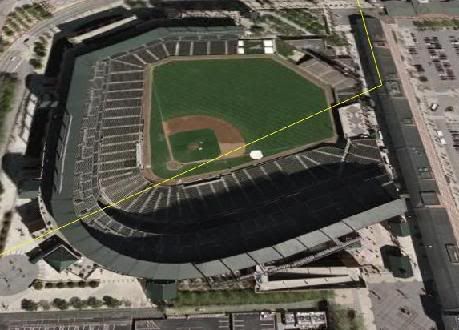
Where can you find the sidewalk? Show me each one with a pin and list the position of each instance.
(118, 286)
(359, 300)
(240, 308)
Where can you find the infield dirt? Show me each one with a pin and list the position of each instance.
(228, 136)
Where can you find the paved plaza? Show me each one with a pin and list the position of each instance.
(402, 305)
(16, 274)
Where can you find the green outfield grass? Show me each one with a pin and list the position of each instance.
(257, 96)
(193, 146)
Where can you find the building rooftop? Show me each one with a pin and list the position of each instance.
(352, 120)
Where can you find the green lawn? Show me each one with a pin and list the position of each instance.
(283, 48)
(195, 145)
(258, 96)
(246, 296)
(305, 19)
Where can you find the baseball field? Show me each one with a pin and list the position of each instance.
(202, 108)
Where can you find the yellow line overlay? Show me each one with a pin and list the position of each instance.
(152, 186)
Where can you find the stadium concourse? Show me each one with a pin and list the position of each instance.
(272, 212)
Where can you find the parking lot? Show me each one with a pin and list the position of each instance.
(435, 56)
(432, 58)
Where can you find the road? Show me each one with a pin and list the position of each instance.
(19, 50)
(101, 315)
(446, 197)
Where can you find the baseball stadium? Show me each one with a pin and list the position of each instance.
(150, 158)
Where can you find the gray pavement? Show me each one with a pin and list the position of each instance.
(252, 321)
(199, 323)
(16, 274)
(72, 325)
(77, 319)
(402, 305)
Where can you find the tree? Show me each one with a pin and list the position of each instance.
(345, 319)
(76, 302)
(62, 304)
(111, 302)
(7, 30)
(8, 215)
(41, 12)
(39, 49)
(93, 284)
(13, 25)
(29, 305)
(38, 285)
(93, 302)
(36, 63)
(284, 48)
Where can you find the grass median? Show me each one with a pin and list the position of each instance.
(7, 93)
(247, 297)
